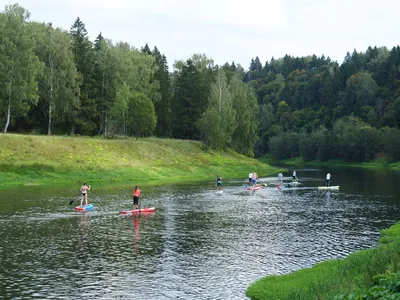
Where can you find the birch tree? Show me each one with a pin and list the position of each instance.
(59, 88)
(19, 65)
(217, 124)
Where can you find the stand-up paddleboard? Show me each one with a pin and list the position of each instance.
(294, 183)
(88, 207)
(256, 188)
(335, 187)
(219, 192)
(136, 211)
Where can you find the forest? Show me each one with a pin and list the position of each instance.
(54, 81)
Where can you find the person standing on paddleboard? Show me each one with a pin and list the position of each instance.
(250, 177)
(219, 183)
(84, 189)
(294, 175)
(280, 178)
(328, 179)
(254, 179)
(136, 196)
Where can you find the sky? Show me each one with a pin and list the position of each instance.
(231, 30)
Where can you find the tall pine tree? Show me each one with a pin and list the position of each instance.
(84, 120)
(163, 107)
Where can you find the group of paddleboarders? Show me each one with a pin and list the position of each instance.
(252, 182)
(295, 179)
(253, 178)
(136, 195)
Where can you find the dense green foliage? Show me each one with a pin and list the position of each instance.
(315, 108)
(386, 286)
(54, 81)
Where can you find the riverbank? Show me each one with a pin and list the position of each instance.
(298, 161)
(340, 277)
(30, 160)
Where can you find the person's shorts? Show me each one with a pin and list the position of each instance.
(135, 200)
(219, 183)
(328, 182)
(83, 194)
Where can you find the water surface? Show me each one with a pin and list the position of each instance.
(197, 245)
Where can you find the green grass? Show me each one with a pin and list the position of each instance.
(49, 159)
(329, 279)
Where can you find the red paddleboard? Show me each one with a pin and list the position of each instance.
(136, 211)
(254, 189)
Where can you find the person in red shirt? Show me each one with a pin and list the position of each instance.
(136, 196)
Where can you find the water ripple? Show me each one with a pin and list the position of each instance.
(197, 245)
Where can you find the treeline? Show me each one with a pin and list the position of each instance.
(315, 108)
(59, 82)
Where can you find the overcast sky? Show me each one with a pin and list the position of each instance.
(231, 30)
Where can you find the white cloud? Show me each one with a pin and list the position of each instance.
(232, 30)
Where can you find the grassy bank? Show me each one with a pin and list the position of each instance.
(298, 161)
(336, 277)
(26, 159)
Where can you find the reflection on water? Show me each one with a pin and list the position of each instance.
(197, 245)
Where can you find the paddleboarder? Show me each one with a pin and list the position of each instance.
(328, 179)
(136, 196)
(219, 183)
(250, 177)
(280, 178)
(84, 189)
(294, 175)
(254, 179)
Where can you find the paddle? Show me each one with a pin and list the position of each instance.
(72, 201)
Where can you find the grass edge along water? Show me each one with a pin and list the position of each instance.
(327, 280)
(30, 159)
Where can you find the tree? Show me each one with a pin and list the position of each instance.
(59, 79)
(246, 108)
(83, 55)
(284, 115)
(266, 120)
(217, 123)
(119, 110)
(163, 107)
(137, 70)
(391, 143)
(190, 98)
(105, 77)
(361, 90)
(19, 65)
(141, 115)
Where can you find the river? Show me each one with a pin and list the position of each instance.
(197, 245)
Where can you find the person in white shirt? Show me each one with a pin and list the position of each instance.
(250, 177)
(294, 176)
(280, 178)
(328, 179)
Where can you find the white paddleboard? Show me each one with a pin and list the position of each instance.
(335, 187)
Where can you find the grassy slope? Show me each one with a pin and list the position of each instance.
(44, 159)
(333, 278)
